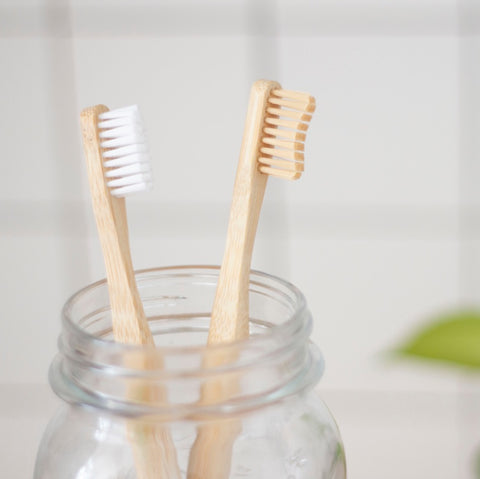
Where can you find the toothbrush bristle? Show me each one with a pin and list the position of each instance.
(125, 153)
(287, 119)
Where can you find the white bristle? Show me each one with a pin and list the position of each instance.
(125, 152)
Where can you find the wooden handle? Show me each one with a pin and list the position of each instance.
(211, 453)
(230, 313)
(128, 318)
(153, 449)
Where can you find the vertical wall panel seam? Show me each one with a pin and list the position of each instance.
(63, 117)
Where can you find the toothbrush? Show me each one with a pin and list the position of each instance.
(118, 165)
(273, 145)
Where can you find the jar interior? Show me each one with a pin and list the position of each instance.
(177, 304)
(276, 360)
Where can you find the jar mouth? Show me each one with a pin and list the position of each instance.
(283, 329)
(276, 361)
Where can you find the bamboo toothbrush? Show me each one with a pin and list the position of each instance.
(118, 165)
(273, 145)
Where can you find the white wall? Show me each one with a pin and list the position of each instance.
(380, 233)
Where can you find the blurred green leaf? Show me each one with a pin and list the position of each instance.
(477, 464)
(453, 338)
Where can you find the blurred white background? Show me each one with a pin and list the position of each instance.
(380, 232)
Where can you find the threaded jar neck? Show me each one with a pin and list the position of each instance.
(277, 360)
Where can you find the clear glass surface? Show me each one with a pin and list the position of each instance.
(283, 430)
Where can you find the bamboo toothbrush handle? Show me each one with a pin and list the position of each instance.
(210, 457)
(152, 446)
(273, 149)
(230, 312)
(129, 323)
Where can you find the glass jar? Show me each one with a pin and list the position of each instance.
(270, 425)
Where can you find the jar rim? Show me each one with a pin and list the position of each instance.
(284, 329)
(276, 363)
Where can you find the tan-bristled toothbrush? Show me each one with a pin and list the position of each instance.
(118, 165)
(273, 145)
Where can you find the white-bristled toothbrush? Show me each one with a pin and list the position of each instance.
(118, 165)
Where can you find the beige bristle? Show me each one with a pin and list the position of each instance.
(293, 104)
(280, 173)
(295, 115)
(287, 134)
(284, 164)
(283, 153)
(296, 145)
(287, 120)
(294, 125)
(295, 95)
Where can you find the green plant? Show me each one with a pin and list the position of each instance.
(451, 338)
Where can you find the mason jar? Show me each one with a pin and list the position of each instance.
(270, 425)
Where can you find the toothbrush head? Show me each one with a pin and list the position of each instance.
(124, 150)
(286, 121)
